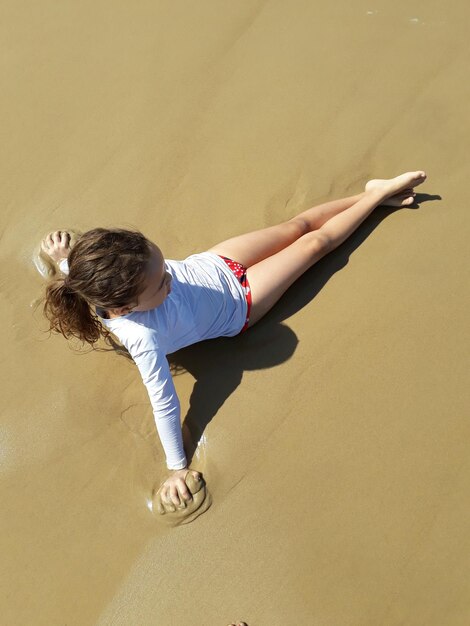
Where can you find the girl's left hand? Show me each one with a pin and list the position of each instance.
(57, 245)
(174, 492)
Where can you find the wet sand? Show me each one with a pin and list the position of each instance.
(336, 445)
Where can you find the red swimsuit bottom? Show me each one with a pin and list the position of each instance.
(239, 272)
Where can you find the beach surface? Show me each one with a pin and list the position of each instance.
(334, 435)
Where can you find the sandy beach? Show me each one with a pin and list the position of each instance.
(333, 435)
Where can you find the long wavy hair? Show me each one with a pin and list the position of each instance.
(107, 269)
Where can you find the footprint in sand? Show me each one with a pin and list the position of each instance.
(199, 504)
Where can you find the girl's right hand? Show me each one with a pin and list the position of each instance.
(174, 492)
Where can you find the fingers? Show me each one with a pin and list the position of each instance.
(166, 499)
(47, 242)
(175, 495)
(56, 245)
(196, 475)
(57, 238)
(183, 492)
(194, 482)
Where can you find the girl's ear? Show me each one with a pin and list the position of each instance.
(124, 310)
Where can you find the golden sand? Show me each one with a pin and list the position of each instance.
(335, 433)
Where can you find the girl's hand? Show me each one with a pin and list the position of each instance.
(174, 492)
(57, 245)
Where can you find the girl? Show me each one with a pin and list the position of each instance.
(117, 281)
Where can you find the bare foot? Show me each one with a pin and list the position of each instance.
(397, 191)
(405, 198)
(56, 245)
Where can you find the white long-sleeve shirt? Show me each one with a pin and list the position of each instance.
(206, 301)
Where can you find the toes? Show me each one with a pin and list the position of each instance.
(409, 180)
(404, 194)
(400, 199)
(420, 177)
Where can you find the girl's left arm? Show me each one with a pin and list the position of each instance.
(155, 371)
(156, 375)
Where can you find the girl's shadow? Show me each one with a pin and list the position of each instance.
(218, 365)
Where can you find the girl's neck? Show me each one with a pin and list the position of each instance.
(104, 314)
(111, 316)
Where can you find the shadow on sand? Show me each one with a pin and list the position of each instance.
(218, 365)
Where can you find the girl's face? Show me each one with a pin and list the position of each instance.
(157, 285)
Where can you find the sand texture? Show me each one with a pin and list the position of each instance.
(333, 436)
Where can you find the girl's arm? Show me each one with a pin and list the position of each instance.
(156, 375)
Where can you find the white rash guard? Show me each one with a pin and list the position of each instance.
(206, 301)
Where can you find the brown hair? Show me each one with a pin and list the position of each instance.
(107, 269)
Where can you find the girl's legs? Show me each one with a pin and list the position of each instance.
(251, 248)
(272, 276)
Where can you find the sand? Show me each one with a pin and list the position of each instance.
(335, 446)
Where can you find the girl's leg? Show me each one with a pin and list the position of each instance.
(271, 277)
(253, 247)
